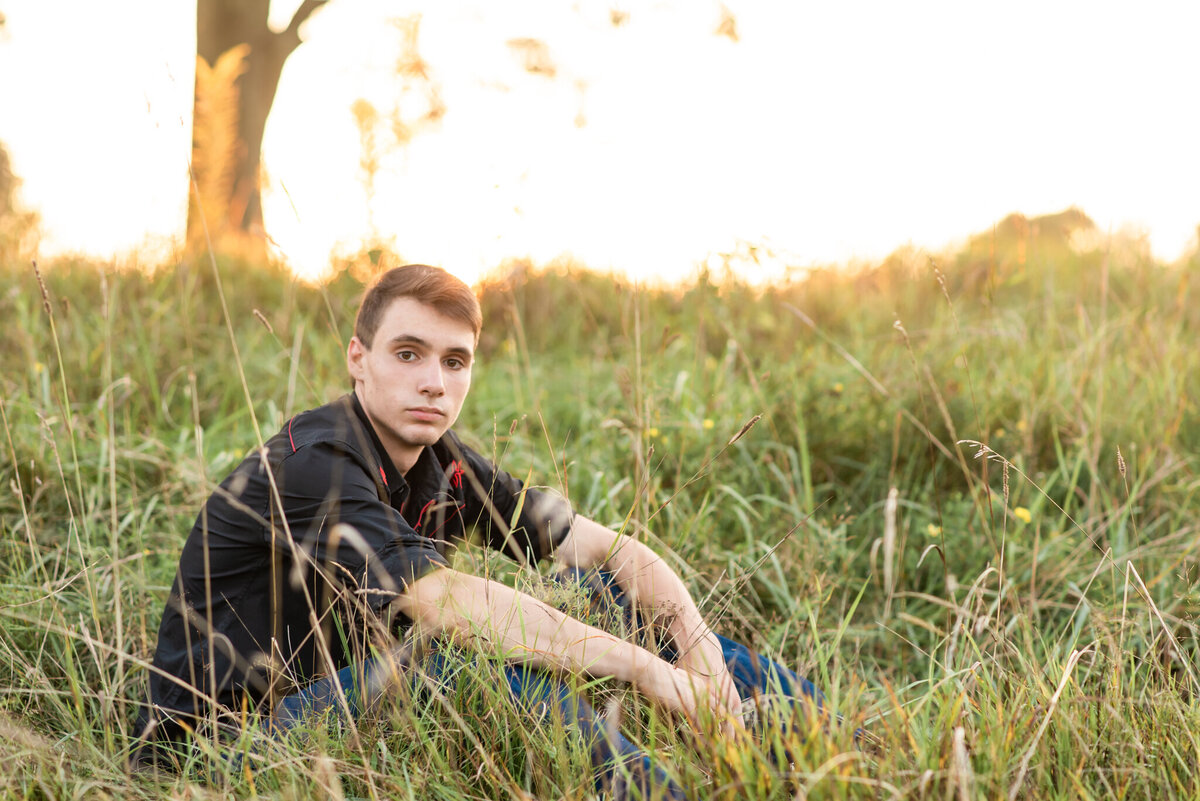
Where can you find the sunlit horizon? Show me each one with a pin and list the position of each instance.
(816, 135)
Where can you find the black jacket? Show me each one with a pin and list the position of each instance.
(272, 592)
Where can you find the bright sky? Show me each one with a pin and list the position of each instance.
(828, 132)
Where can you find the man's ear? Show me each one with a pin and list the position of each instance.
(356, 352)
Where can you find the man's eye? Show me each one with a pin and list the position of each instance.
(455, 364)
(406, 355)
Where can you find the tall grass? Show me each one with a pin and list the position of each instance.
(967, 512)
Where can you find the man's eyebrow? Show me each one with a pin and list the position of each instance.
(413, 339)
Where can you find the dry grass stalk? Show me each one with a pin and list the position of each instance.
(889, 547)
(963, 775)
(1072, 660)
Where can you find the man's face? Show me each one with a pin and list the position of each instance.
(413, 379)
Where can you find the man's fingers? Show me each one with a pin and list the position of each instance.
(719, 695)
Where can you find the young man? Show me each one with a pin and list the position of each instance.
(342, 522)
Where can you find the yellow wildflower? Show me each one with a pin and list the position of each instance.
(838, 388)
(933, 531)
(651, 432)
(1022, 514)
(708, 424)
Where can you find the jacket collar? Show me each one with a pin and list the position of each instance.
(393, 479)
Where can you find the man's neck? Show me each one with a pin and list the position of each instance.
(403, 457)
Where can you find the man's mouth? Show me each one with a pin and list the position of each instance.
(428, 414)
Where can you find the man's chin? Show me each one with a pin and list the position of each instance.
(423, 435)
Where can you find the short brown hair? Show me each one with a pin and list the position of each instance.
(430, 285)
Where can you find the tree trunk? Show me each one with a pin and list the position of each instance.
(220, 26)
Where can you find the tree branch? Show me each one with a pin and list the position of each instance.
(289, 39)
(301, 16)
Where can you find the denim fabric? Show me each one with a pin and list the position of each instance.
(616, 761)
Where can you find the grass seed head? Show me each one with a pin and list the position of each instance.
(42, 286)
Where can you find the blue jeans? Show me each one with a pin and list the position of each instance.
(616, 761)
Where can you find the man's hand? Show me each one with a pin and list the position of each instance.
(690, 693)
(656, 589)
(720, 693)
(703, 663)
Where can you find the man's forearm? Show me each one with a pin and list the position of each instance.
(698, 648)
(521, 628)
(653, 586)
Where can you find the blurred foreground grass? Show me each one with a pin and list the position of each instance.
(967, 511)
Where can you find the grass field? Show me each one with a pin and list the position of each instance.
(967, 510)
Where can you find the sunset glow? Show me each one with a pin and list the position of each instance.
(824, 133)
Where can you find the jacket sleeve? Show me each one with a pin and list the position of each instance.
(336, 522)
(526, 524)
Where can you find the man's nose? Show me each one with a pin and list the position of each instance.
(432, 381)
